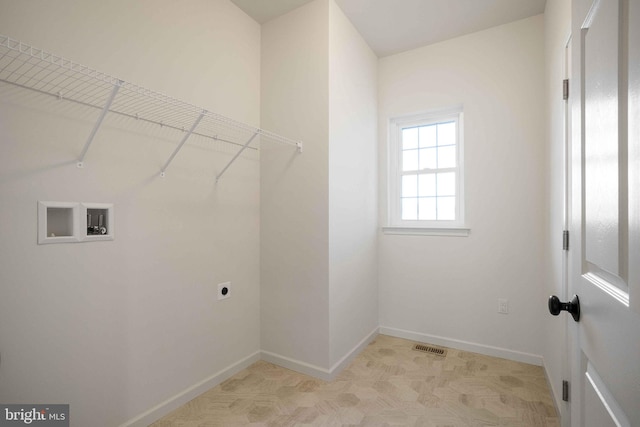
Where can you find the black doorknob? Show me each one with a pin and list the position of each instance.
(573, 306)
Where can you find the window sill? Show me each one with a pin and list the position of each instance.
(427, 231)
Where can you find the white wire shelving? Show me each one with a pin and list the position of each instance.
(31, 68)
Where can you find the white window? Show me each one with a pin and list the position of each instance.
(426, 173)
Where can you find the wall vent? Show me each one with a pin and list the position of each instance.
(430, 349)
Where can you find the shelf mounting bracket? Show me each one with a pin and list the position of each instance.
(103, 113)
(184, 139)
(246, 144)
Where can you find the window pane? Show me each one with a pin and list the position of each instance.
(410, 186)
(409, 138)
(447, 208)
(427, 185)
(410, 160)
(409, 209)
(447, 133)
(426, 166)
(428, 158)
(446, 184)
(427, 208)
(447, 157)
(428, 136)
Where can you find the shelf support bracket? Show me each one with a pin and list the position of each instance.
(184, 139)
(237, 154)
(103, 113)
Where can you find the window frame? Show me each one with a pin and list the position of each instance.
(395, 223)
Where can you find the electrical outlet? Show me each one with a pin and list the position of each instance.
(503, 306)
(224, 290)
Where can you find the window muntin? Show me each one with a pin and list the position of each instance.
(426, 171)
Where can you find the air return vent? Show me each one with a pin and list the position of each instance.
(430, 349)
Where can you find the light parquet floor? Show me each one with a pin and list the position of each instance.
(388, 384)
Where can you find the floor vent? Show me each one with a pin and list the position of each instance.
(430, 349)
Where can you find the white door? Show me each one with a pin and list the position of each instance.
(605, 213)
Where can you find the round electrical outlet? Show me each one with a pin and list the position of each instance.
(224, 290)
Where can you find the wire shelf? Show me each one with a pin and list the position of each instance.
(31, 68)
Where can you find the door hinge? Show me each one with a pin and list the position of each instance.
(565, 240)
(565, 390)
(565, 89)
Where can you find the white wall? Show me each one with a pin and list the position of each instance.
(557, 30)
(114, 328)
(318, 209)
(446, 289)
(353, 290)
(146, 326)
(294, 218)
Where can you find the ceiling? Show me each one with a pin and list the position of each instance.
(393, 26)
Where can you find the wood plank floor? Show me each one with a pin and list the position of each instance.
(388, 384)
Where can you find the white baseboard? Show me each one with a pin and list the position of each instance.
(347, 358)
(190, 393)
(487, 350)
(296, 365)
(194, 391)
(317, 371)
